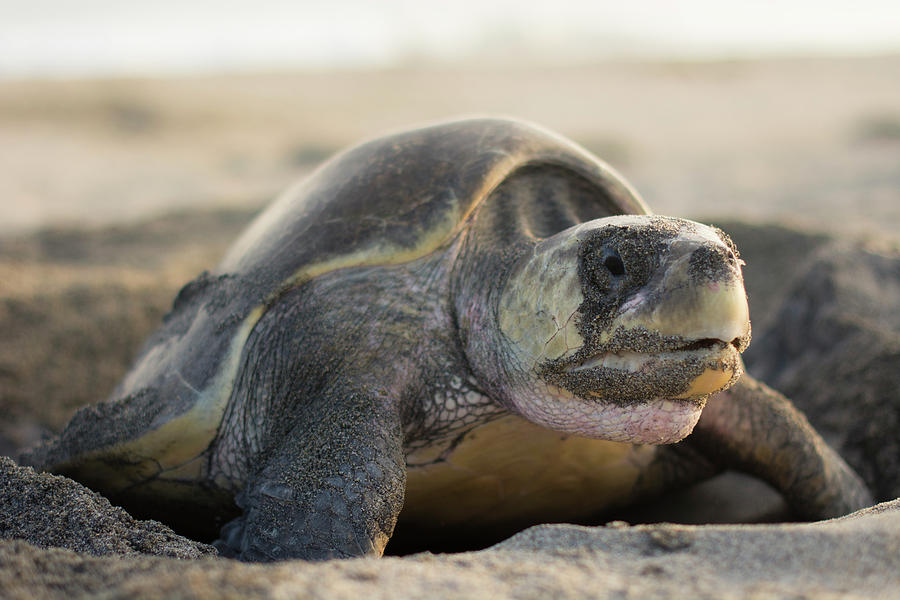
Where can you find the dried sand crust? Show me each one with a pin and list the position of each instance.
(854, 557)
(827, 332)
(70, 542)
(55, 512)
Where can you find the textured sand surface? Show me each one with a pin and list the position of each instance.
(854, 557)
(55, 512)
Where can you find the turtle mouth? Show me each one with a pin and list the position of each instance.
(706, 350)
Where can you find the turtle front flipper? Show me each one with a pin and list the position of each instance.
(331, 488)
(753, 428)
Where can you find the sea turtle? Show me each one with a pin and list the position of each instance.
(462, 325)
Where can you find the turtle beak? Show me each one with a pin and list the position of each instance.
(696, 296)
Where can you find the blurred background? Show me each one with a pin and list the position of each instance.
(115, 111)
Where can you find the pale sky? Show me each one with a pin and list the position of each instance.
(78, 37)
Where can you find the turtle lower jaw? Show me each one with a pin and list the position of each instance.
(691, 371)
(629, 360)
(712, 364)
(633, 362)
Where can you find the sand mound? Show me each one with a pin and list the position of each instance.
(55, 512)
(854, 557)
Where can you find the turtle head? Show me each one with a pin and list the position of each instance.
(620, 328)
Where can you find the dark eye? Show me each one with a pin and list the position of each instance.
(614, 265)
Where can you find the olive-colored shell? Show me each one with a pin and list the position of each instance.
(388, 201)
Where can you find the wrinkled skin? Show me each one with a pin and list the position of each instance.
(330, 399)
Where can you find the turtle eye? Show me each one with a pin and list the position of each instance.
(614, 265)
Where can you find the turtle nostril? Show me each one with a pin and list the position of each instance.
(614, 265)
(713, 263)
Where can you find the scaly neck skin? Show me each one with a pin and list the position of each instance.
(421, 362)
(477, 282)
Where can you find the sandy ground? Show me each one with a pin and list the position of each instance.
(115, 193)
(854, 557)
